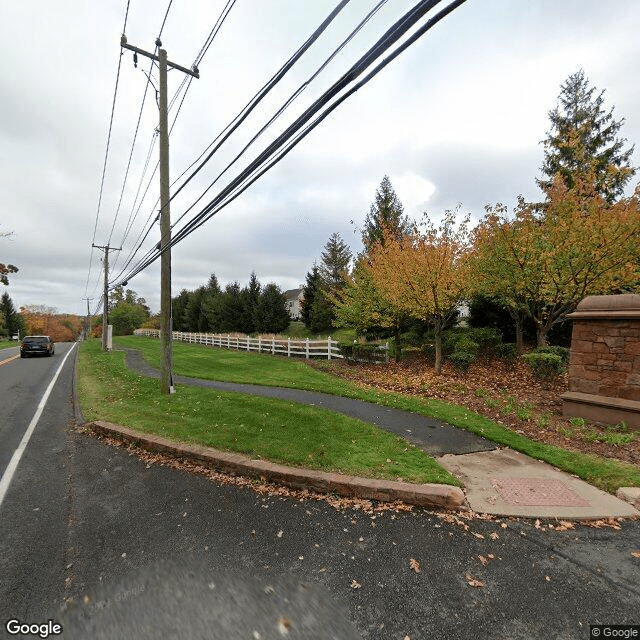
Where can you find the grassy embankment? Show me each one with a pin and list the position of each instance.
(237, 366)
(268, 428)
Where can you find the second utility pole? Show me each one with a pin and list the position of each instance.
(166, 378)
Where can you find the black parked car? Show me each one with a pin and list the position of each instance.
(36, 345)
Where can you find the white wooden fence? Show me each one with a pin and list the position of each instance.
(289, 347)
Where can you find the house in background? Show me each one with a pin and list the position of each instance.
(294, 302)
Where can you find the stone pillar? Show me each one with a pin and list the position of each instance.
(604, 367)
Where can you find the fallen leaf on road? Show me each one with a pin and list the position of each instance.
(279, 534)
(415, 565)
(600, 524)
(635, 554)
(494, 536)
(474, 582)
(478, 535)
(355, 584)
(485, 560)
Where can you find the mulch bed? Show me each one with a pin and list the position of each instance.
(489, 382)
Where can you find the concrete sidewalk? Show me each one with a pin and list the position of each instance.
(497, 481)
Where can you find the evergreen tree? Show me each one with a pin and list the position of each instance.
(12, 320)
(322, 313)
(271, 312)
(211, 304)
(178, 307)
(336, 259)
(231, 308)
(194, 314)
(313, 284)
(250, 296)
(386, 211)
(580, 122)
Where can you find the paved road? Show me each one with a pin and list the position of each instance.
(81, 516)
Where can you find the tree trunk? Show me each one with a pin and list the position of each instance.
(519, 337)
(398, 341)
(541, 335)
(438, 332)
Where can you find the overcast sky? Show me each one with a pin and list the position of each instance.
(457, 119)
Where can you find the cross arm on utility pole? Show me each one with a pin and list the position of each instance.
(192, 72)
(105, 304)
(166, 330)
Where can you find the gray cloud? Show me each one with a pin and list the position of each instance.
(456, 119)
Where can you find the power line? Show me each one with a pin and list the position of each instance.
(385, 42)
(288, 102)
(258, 167)
(106, 153)
(135, 135)
(197, 61)
(251, 105)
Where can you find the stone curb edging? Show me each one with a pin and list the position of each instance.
(422, 495)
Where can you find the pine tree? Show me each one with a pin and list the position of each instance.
(250, 296)
(271, 312)
(312, 285)
(580, 121)
(13, 322)
(386, 211)
(230, 308)
(336, 259)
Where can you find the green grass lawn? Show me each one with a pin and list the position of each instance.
(238, 366)
(268, 428)
(4, 344)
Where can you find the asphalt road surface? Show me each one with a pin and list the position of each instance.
(117, 541)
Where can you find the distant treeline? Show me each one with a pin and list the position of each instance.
(250, 309)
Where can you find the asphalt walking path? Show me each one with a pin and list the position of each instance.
(497, 480)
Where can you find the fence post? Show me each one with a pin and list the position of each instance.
(307, 349)
(273, 346)
(288, 347)
(259, 343)
(386, 355)
(329, 341)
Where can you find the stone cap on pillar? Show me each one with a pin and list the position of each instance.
(619, 307)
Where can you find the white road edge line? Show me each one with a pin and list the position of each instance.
(17, 454)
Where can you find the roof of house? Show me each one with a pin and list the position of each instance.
(293, 294)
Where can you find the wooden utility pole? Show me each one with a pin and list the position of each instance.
(87, 324)
(105, 295)
(166, 377)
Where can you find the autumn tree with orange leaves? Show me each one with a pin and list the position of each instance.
(543, 262)
(424, 273)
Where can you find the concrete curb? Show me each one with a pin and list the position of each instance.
(422, 495)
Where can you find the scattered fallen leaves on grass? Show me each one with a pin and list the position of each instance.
(491, 388)
(355, 584)
(474, 582)
(415, 565)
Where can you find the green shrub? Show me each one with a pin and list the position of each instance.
(563, 352)
(487, 337)
(544, 366)
(507, 351)
(462, 360)
(362, 352)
